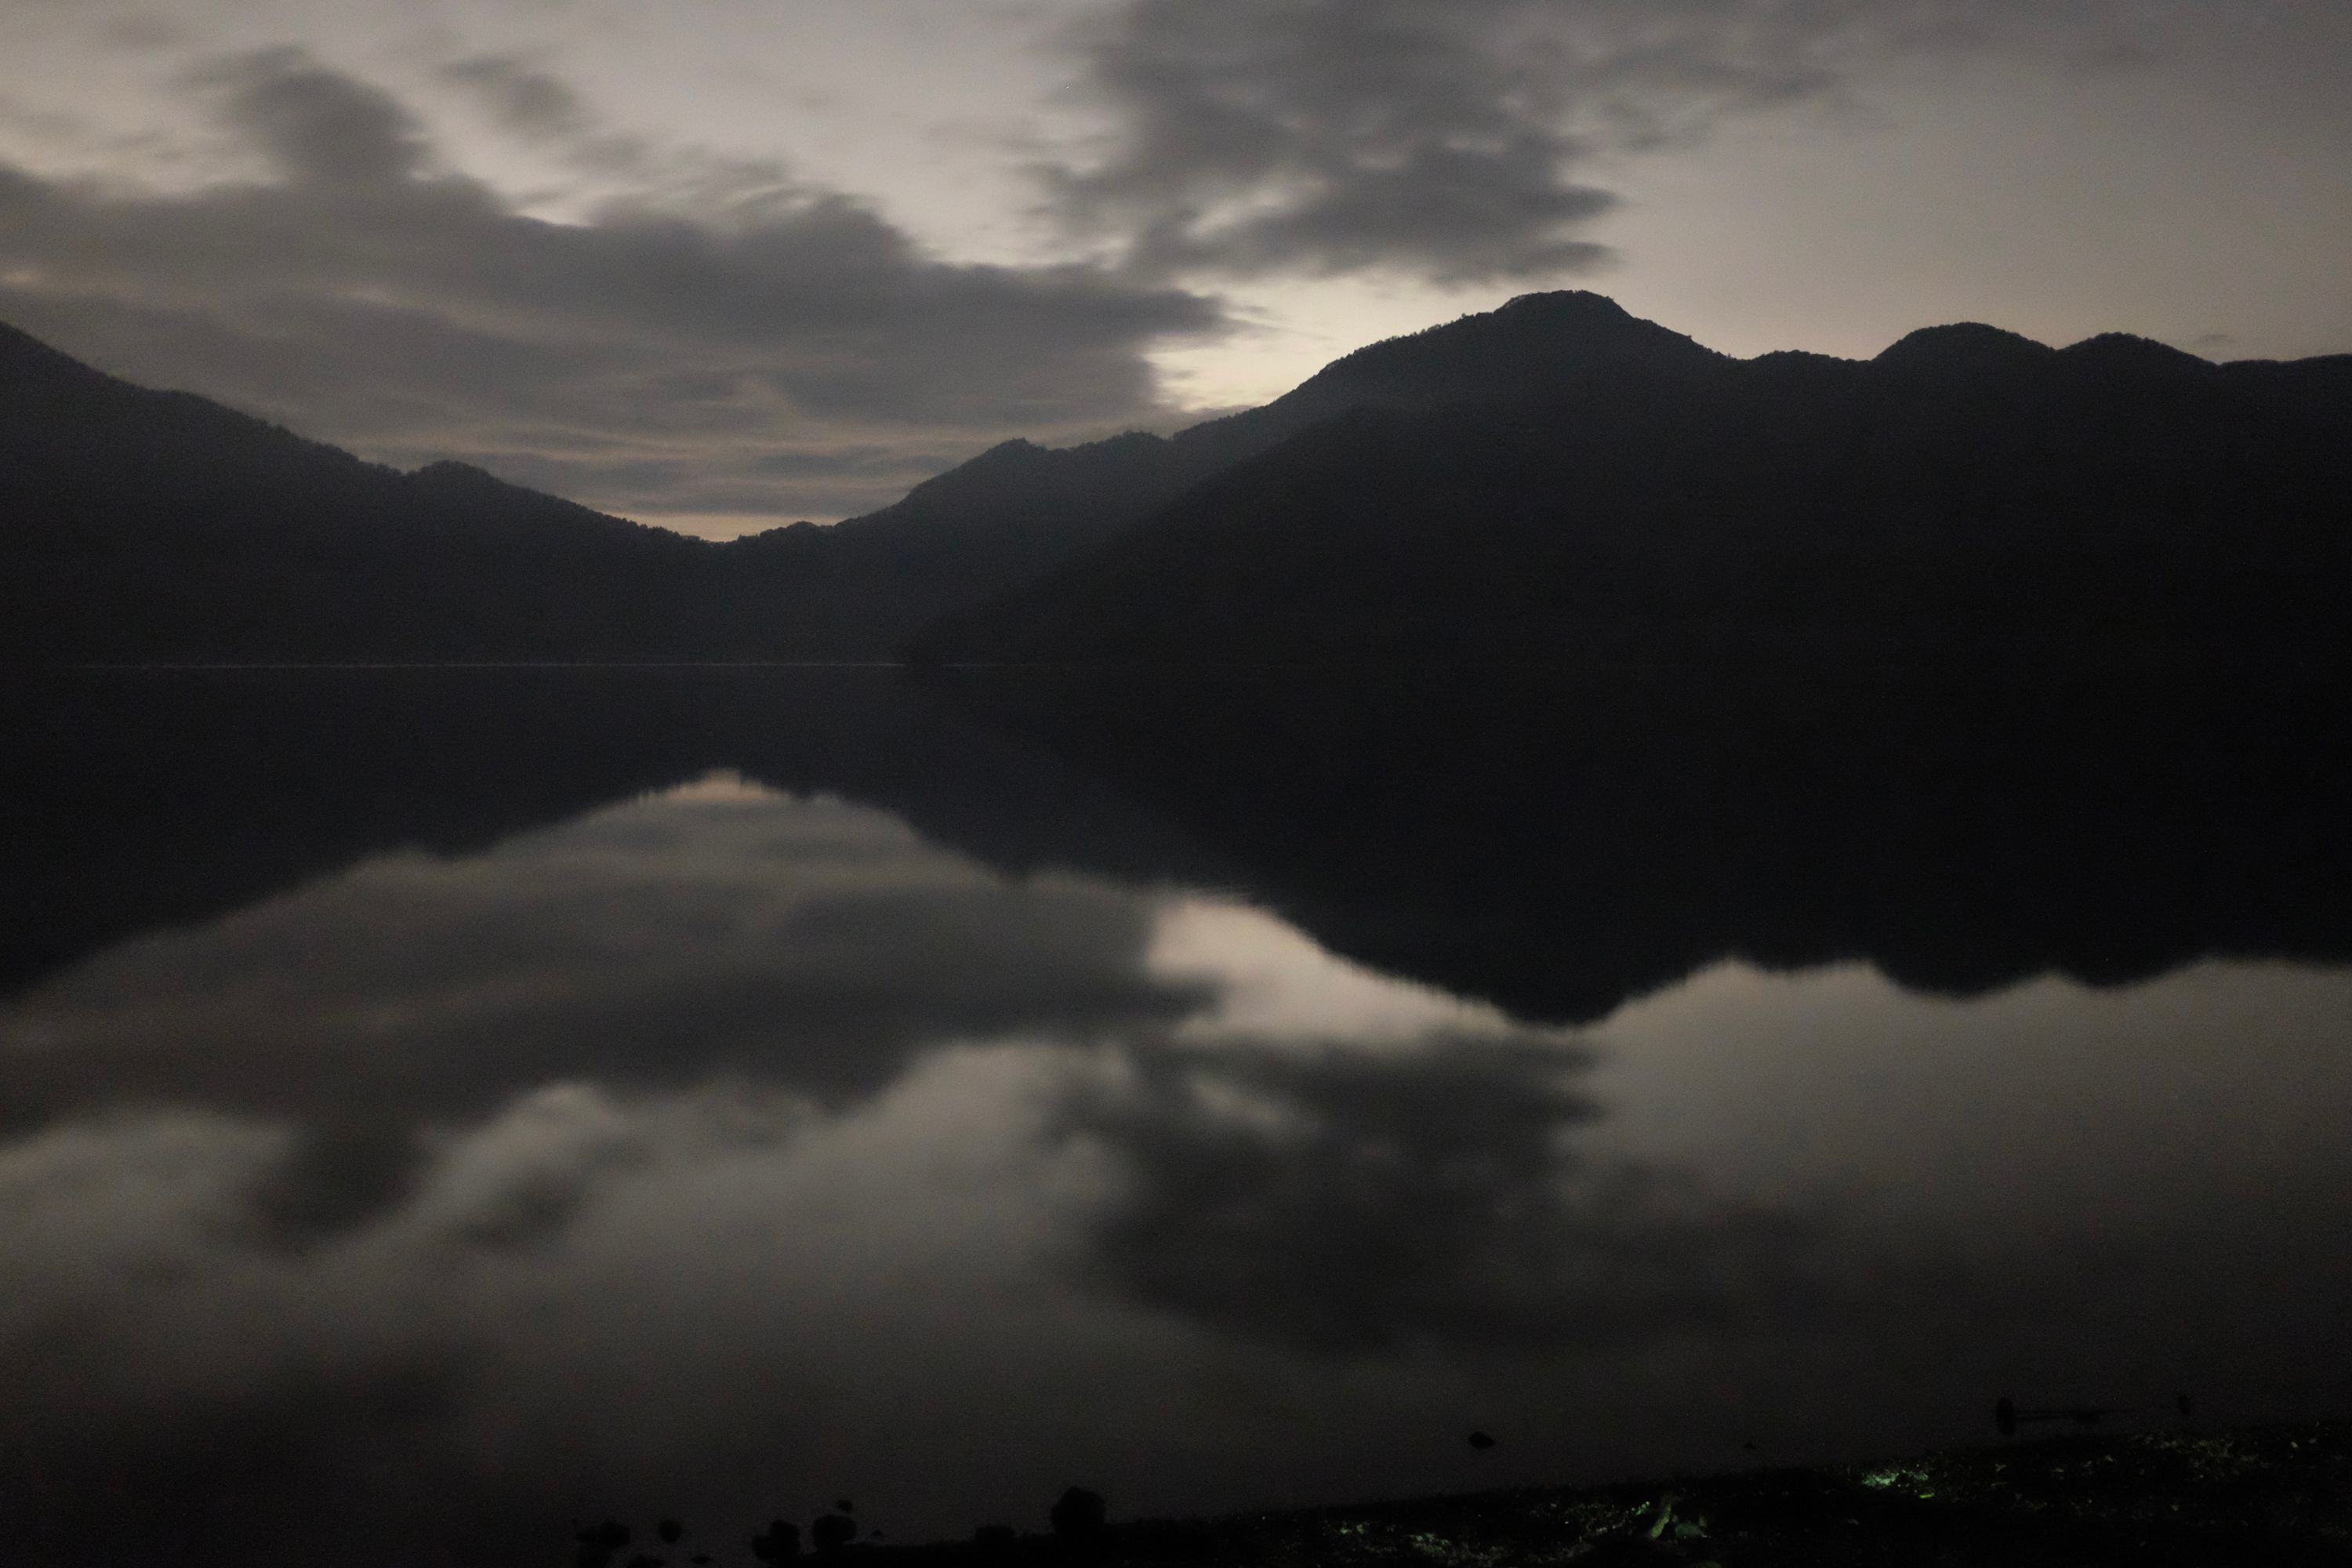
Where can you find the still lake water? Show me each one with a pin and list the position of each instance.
(435, 1107)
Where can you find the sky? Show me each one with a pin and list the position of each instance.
(724, 264)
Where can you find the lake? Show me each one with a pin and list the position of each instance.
(438, 1107)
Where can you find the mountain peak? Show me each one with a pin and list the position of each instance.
(2126, 351)
(449, 471)
(1531, 346)
(1567, 303)
(1964, 346)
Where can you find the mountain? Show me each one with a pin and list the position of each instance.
(1554, 479)
(145, 525)
(1553, 843)
(144, 800)
(864, 586)
(1019, 511)
(1559, 481)
(137, 524)
(1561, 841)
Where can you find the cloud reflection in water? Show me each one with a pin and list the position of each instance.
(723, 1150)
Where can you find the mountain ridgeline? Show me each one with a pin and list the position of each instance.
(1552, 481)
(138, 525)
(1554, 843)
(1589, 487)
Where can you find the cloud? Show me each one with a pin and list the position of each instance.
(1445, 141)
(1341, 1202)
(319, 127)
(527, 99)
(813, 949)
(540, 108)
(725, 1138)
(654, 357)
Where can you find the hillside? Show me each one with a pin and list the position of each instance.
(139, 525)
(1020, 511)
(1622, 494)
(1554, 481)
(142, 525)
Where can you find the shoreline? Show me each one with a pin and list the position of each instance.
(2269, 1495)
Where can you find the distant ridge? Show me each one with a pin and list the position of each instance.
(1534, 343)
(1019, 510)
(1961, 347)
(1557, 480)
(139, 525)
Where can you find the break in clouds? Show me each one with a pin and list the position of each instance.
(721, 337)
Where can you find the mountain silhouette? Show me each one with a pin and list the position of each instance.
(1559, 481)
(144, 800)
(143, 524)
(147, 525)
(1554, 479)
(1560, 842)
(1555, 843)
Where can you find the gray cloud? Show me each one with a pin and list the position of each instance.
(809, 951)
(526, 99)
(655, 357)
(1380, 1205)
(317, 126)
(745, 973)
(1329, 136)
(603, 1248)
(541, 108)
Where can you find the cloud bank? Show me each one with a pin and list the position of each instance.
(670, 354)
(1452, 142)
(716, 335)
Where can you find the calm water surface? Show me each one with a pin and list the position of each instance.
(431, 1114)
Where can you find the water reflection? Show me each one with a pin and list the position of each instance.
(789, 1099)
(1563, 843)
(814, 944)
(1345, 1166)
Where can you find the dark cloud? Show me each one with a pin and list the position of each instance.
(336, 1176)
(1380, 1203)
(651, 357)
(827, 996)
(803, 952)
(1255, 136)
(540, 108)
(526, 99)
(319, 127)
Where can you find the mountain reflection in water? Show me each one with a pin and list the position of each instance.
(439, 1105)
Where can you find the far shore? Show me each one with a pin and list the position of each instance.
(2271, 1496)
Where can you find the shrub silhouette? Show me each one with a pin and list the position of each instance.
(1078, 1514)
(600, 1543)
(780, 1543)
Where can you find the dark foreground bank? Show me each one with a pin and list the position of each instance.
(2273, 1496)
